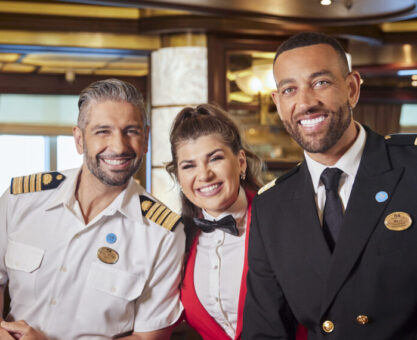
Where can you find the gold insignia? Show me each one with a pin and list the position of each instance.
(107, 255)
(159, 213)
(35, 182)
(266, 187)
(398, 221)
(46, 179)
(146, 205)
(387, 137)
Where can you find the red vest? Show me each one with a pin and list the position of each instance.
(194, 312)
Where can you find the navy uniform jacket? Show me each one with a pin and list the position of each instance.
(366, 289)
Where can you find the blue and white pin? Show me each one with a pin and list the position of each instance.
(381, 196)
(111, 238)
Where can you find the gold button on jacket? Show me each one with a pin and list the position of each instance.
(362, 319)
(328, 326)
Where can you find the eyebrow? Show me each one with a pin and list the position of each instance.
(135, 126)
(312, 76)
(211, 153)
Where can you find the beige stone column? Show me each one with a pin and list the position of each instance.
(179, 79)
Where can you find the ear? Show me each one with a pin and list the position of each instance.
(242, 160)
(79, 139)
(275, 98)
(354, 83)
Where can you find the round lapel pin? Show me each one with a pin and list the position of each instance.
(111, 238)
(381, 196)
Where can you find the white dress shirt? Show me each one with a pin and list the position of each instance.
(219, 267)
(59, 285)
(348, 163)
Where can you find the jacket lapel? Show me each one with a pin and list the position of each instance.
(363, 212)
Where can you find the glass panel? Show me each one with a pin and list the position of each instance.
(24, 154)
(67, 155)
(39, 109)
(409, 116)
(249, 85)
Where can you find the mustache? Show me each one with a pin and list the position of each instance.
(116, 155)
(311, 110)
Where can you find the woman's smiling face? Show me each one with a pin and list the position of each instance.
(209, 172)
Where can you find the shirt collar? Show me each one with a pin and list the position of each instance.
(348, 163)
(238, 210)
(65, 193)
(127, 202)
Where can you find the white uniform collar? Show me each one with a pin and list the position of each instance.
(127, 202)
(348, 163)
(238, 210)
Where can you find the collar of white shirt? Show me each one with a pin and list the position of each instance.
(127, 202)
(348, 163)
(237, 210)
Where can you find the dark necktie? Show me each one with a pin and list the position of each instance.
(333, 211)
(227, 224)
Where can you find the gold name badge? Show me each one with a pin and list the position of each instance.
(107, 255)
(398, 221)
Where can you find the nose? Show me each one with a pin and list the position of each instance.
(306, 99)
(119, 143)
(205, 174)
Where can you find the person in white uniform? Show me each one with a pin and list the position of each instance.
(87, 253)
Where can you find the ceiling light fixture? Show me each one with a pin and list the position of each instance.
(325, 2)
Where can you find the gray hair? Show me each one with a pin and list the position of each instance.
(109, 89)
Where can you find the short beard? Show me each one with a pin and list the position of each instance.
(339, 122)
(119, 178)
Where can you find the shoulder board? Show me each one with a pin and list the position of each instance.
(36, 182)
(267, 186)
(279, 179)
(401, 139)
(159, 213)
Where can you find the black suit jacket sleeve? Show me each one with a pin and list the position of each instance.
(266, 314)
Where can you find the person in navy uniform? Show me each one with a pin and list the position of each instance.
(333, 243)
(87, 253)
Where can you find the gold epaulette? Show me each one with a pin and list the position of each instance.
(267, 186)
(279, 179)
(36, 182)
(159, 213)
(402, 139)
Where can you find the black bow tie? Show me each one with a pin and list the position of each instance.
(227, 224)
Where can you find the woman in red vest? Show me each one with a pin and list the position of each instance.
(219, 177)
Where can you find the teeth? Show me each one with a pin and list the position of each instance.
(311, 122)
(115, 161)
(210, 188)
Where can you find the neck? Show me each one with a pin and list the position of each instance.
(94, 196)
(331, 156)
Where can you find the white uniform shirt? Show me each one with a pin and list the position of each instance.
(58, 284)
(219, 267)
(348, 163)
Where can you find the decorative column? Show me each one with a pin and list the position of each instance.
(179, 79)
